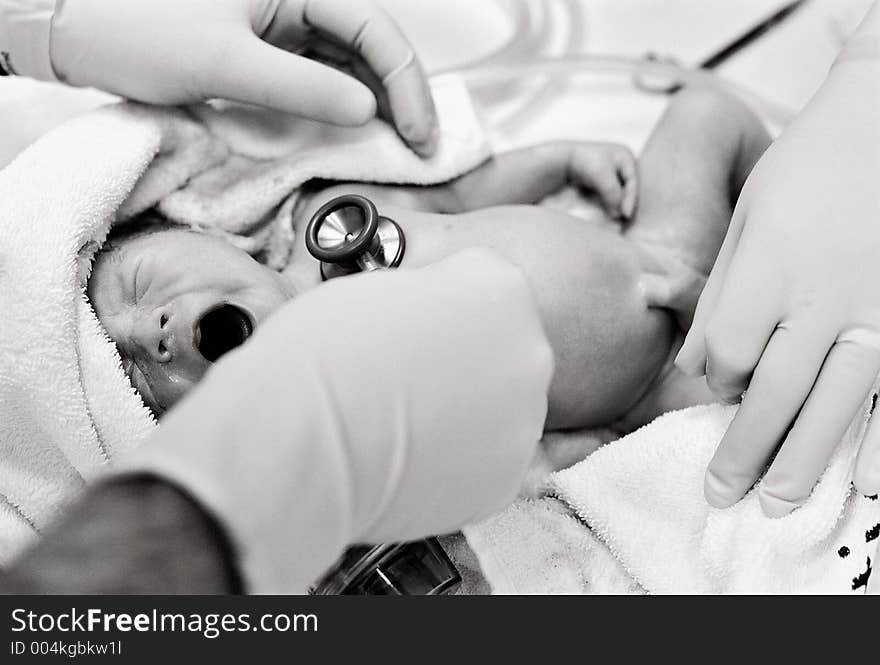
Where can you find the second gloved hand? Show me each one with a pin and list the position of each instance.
(791, 311)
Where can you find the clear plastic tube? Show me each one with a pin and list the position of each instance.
(529, 69)
(578, 65)
(541, 28)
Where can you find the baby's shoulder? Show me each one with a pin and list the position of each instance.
(317, 193)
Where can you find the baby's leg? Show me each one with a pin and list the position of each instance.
(692, 170)
(691, 173)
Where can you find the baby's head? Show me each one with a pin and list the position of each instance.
(173, 301)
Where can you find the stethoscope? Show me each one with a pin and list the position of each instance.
(348, 235)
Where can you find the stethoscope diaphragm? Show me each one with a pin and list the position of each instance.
(348, 235)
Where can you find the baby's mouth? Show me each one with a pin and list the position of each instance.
(222, 329)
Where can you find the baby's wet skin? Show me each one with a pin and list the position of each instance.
(155, 294)
(173, 301)
(608, 344)
(611, 334)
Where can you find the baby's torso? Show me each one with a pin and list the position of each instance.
(608, 345)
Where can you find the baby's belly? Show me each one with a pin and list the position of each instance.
(608, 345)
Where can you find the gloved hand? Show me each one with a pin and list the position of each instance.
(175, 52)
(376, 408)
(791, 311)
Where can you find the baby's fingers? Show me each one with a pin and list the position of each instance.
(594, 166)
(615, 179)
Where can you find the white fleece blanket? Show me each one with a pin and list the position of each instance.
(631, 518)
(66, 409)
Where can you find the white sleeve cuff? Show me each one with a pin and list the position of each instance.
(25, 31)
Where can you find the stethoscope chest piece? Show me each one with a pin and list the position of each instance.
(347, 235)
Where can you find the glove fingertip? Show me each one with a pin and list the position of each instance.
(775, 507)
(866, 481)
(716, 491)
(427, 147)
(690, 361)
(359, 106)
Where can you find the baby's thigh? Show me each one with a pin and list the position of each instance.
(608, 344)
(691, 172)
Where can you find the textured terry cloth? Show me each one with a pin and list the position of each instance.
(535, 530)
(539, 547)
(66, 408)
(237, 170)
(641, 497)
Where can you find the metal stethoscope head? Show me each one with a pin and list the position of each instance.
(348, 235)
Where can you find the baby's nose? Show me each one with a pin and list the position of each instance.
(153, 334)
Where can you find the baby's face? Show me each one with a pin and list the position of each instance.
(174, 301)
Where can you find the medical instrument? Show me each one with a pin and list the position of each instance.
(420, 568)
(348, 235)
(593, 65)
(533, 53)
(667, 86)
(547, 28)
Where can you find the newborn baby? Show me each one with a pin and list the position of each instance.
(608, 287)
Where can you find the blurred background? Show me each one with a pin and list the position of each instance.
(784, 66)
(781, 69)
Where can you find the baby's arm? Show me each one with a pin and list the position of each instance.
(523, 176)
(530, 174)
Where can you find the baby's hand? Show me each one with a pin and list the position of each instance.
(609, 170)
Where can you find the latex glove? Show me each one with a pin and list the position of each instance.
(376, 408)
(791, 311)
(178, 52)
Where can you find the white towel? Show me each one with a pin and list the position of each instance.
(636, 505)
(236, 170)
(66, 408)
